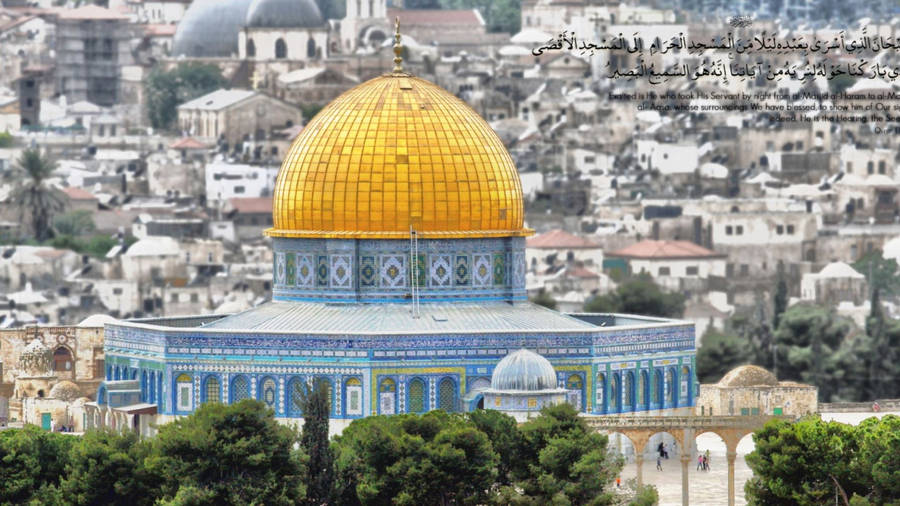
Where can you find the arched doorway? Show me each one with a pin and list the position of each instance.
(687, 393)
(600, 387)
(251, 49)
(659, 390)
(63, 364)
(280, 49)
(630, 398)
(644, 389)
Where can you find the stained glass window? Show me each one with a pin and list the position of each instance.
(212, 390)
(447, 395)
(629, 388)
(240, 389)
(268, 392)
(416, 396)
(670, 385)
(659, 387)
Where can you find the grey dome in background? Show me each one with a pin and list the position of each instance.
(523, 370)
(210, 29)
(284, 14)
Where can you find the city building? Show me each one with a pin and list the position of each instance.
(752, 390)
(399, 280)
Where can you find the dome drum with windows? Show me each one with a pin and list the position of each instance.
(398, 186)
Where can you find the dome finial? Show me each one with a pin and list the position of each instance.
(398, 48)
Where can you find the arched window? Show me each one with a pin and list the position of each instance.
(614, 392)
(310, 48)
(143, 386)
(280, 49)
(267, 392)
(240, 389)
(62, 359)
(295, 398)
(183, 392)
(671, 387)
(575, 385)
(686, 384)
(644, 389)
(387, 397)
(629, 389)
(601, 392)
(353, 396)
(659, 388)
(251, 48)
(109, 373)
(151, 397)
(211, 392)
(416, 396)
(447, 395)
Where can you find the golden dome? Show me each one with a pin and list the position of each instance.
(395, 152)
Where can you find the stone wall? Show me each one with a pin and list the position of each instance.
(792, 398)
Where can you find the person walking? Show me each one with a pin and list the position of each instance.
(659, 463)
(699, 462)
(707, 459)
(705, 463)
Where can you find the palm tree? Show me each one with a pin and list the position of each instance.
(34, 195)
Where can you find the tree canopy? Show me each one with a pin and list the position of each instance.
(811, 461)
(719, 353)
(166, 90)
(33, 195)
(639, 295)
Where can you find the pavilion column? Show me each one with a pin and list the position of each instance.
(639, 461)
(685, 464)
(731, 456)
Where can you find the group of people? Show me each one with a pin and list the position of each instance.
(703, 462)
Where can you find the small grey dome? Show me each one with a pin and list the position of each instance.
(523, 370)
(209, 29)
(284, 14)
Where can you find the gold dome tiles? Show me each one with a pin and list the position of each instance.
(381, 158)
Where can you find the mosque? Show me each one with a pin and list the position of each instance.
(399, 280)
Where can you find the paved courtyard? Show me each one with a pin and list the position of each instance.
(710, 488)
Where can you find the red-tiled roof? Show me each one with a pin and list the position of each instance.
(436, 17)
(252, 204)
(187, 143)
(581, 272)
(90, 12)
(665, 249)
(160, 30)
(78, 194)
(559, 239)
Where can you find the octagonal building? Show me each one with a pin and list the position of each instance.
(399, 279)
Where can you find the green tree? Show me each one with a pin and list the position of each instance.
(639, 295)
(880, 273)
(6, 140)
(436, 458)
(808, 340)
(166, 90)
(719, 353)
(314, 440)
(562, 461)
(810, 461)
(780, 300)
(883, 365)
(499, 15)
(74, 223)
(106, 467)
(227, 454)
(543, 298)
(32, 461)
(34, 195)
(840, 83)
(502, 430)
(332, 9)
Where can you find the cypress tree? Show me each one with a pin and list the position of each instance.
(316, 411)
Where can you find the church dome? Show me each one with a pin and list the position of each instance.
(394, 152)
(523, 370)
(748, 376)
(284, 14)
(209, 29)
